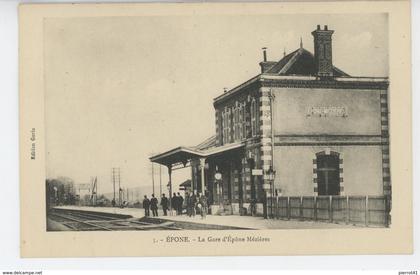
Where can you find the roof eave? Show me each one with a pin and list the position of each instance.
(164, 157)
(176, 150)
(238, 88)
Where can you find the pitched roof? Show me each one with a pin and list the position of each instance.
(299, 62)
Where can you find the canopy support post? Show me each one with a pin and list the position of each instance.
(202, 166)
(170, 186)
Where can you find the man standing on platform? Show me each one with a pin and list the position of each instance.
(154, 205)
(180, 204)
(193, 204)
(203, 202)
(146, 206)
(188, 203)
(174, 202)
(164, 202)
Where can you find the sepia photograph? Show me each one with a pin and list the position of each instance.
(217, 122)
(209, 129)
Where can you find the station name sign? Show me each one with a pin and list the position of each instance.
(326, 111)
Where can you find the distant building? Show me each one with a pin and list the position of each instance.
(186, 186)
(303, 122)
(60, 191)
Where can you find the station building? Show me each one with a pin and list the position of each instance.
(302, 127)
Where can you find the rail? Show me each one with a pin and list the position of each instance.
(78, 220)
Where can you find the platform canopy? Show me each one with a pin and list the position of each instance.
(176, 156)
(182, 155)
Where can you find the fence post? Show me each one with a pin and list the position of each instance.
(288, 208)
(277, 207)
(330, 214)
(315, 210)
(367, 211)
(347, 210)
(301, 208)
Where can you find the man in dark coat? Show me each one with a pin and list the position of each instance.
(203, 202)
(146, 206)
(154, 205)
(174, 202)
(164, 202)
(180, 204)
(188, 203)
(193, 199)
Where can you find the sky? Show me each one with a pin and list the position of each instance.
(119, 89)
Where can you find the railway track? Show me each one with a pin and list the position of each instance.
(76, 220)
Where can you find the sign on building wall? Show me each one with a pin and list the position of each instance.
(327, 111)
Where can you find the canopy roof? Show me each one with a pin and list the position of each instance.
(185, 154)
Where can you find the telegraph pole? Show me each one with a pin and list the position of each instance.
(116, 177)
(160, 180)
(119, 186)
(153, 179)
(113, 180)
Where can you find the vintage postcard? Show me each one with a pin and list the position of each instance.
(215, 129)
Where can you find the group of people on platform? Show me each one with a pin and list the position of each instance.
(193, 204)
(196, 204)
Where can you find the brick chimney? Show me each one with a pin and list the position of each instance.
(266, 65)
(323, 51)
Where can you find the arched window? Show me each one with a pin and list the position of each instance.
(328, 173)
(244, 125)
(242, 122)
(237, 122)
(227, 126)
(224, 126)
(253, 117)
(234, 122)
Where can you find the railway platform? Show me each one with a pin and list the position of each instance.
(212, 221)
(135, 212)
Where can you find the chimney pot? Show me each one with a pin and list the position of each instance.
(264, 54)
(325, 28)
(318, 27)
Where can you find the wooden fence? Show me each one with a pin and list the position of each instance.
(356, 210)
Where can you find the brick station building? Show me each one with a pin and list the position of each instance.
(302, 127)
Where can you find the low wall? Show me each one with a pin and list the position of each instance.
(357, 210)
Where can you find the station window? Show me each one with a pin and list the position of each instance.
(240, 122)
(328, 175)
(226, 126)
(244, 122)
(253, 117)
(236, 122)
